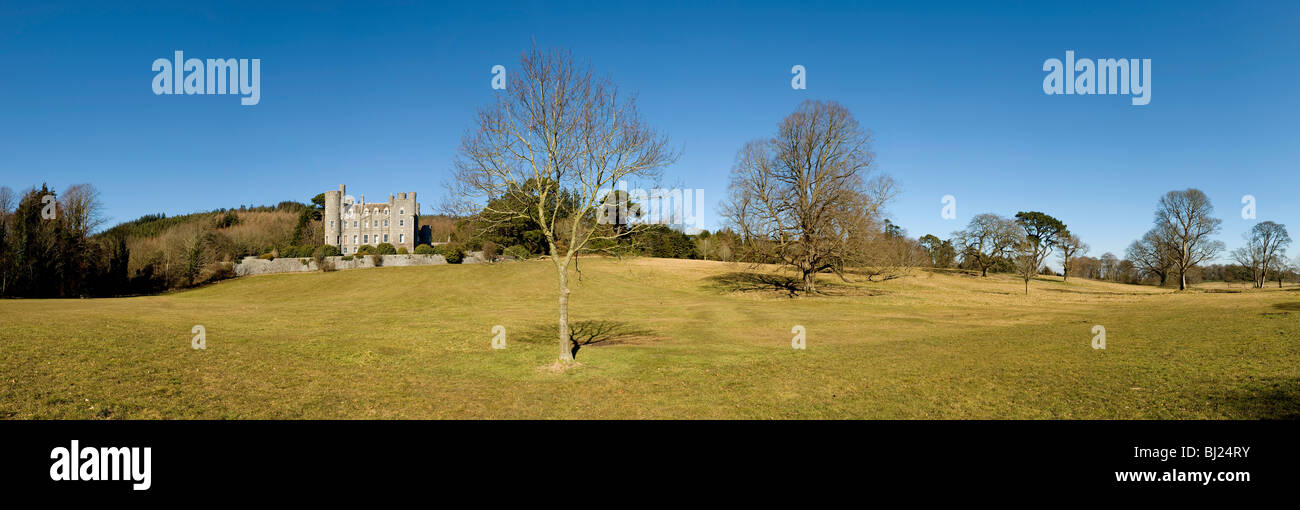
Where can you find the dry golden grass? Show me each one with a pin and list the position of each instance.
(669, 339)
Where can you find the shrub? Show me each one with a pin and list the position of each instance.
(385, 249)
(490, 250)
(403, 251)
(298, 251)
(377, 260)
(425, 249)
(266, 256)
(318, 256)
(518, 252)
(326, 251)
(366, 249)
(452, 252)
(348, 258)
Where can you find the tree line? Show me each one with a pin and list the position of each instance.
(51, 246)
(46, 246)
(1179, 246)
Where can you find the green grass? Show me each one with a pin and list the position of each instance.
(677, 339)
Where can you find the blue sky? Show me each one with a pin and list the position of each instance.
(378, 96)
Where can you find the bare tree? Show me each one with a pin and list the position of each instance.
(1184, 218)
(1152, 255)
(1071, 248)
(1280, 269)
(987, 239)
(803, 197)
(8, 199)
(1109, 266)
(81, 209)
(1265, 246)
(550, 149)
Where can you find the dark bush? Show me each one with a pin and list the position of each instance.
(452, 252)
(326, 251)
(227, 220)
(518, 252)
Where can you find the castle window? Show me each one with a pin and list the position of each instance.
(401, 223)
(385, 223)
(354, 223)
(345, 249)
(365, 239)
(385, 238)
(331, 223)
(376, 223)
(354, 239)
(401, 238)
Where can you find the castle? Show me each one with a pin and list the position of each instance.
(350, 224)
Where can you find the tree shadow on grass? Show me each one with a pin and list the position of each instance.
(778, 284)
(1290, 305)
(1084, 291)
(585, 333)
(1266, 399)
(749, 281)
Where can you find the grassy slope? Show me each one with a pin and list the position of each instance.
(414, 343)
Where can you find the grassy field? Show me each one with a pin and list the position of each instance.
(670, 339)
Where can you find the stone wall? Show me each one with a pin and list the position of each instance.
(254, 266)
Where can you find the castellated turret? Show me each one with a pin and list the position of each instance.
(351, 226)
(333, 215)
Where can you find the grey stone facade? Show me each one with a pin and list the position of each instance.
(351, 224)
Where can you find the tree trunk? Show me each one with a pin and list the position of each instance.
(1065, 275)
(984, 270)
(1182, 280)
(1026, 285)
(809, 282)
(566, 344)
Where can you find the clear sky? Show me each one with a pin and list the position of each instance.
(377, 95)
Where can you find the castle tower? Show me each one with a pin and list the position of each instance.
(334, 216)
